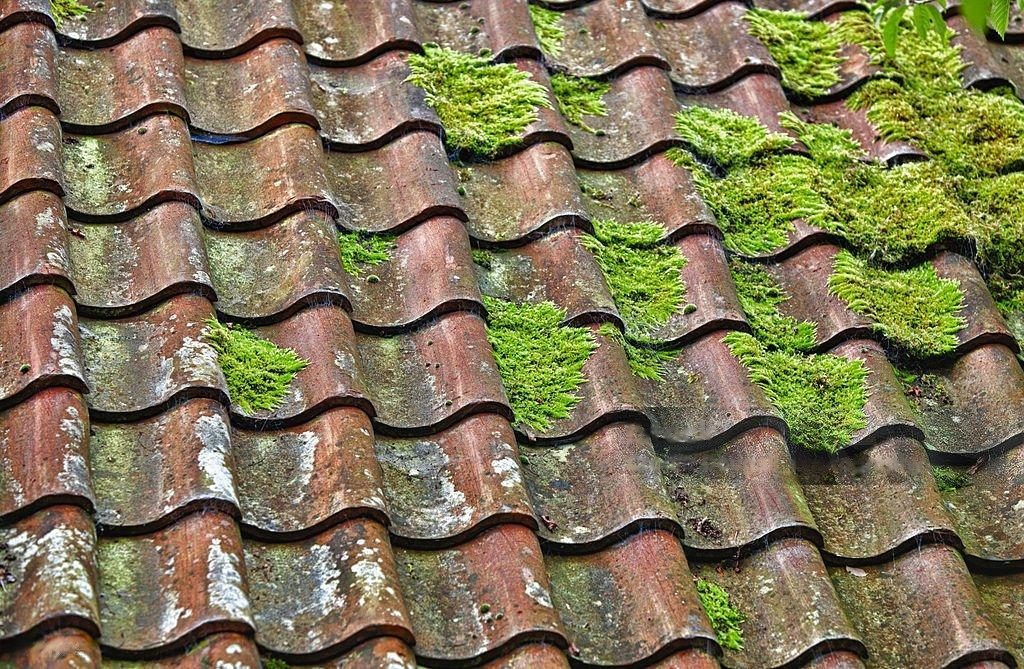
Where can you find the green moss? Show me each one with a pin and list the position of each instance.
(806, 51)
(548, 25)
(62, 10)
(827, 144)
(950, 479)
(483, 258)
(760, 296)
(821, 397)
(484, 107)
(642, 274)
(725, 137)
(540, 360)
(258, 372)
(359, 250)
(725, 618)
(578, 97)
(645, 362)
(914, 308)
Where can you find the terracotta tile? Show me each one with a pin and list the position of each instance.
(126, 268)
(284, 173)
(369, 105)
(35, 224)
(1004, 608)
(656, 190)
(323, 335)
(676, 8)
(67, 648)
(523, 194)
(231, 27)
(607, 38)
(396, 186)
(384, 652)
(555, 268)
(835, 660)
(713, 49)
(353, 572)
(531, 656)
(41, 345)
(429, 379)
(870, 503)
(984, 323)
(856, 121)
(920, 609)
(49, 574)
(112, 177)
(509, 601)
(227, 649)
(151, 472)
(268, 274)
(549, 126)
(295, 482)
(988, 63)
(32, 47)
(137, 366)
(691, 658)
(31, 158)
(740, 494)
(444, 488)
(119, 20)
(44, 454)
(610, 622)
(705, 398)
(977, 406)
(101, 90)
(17, 11)
(408, 289)
(163, 591)
(250, 94)
(501, 27)
(349, 32)
(641, 93)
(607, 395)
(790, 606)
(758, 94)
(592, 492)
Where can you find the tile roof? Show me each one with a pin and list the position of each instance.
(165, 162)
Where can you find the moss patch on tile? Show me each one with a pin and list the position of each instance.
(726, 138)
(914, 308)
(483, 258)
(62, 10)
(725, 618)
(642, 274)
(578, 97)
(484, 107)
(645, 362)
(258, 372)
(540, 359)
(760, 297)
(547, 23)
(807, 52)
(950, 479)
(821, 396)
(360, 250)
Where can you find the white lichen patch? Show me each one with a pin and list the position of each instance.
(198, 360)
(534, 590)
(64, 343)
(212, 433)
(508, 469)
(224, 586)
(61, 558)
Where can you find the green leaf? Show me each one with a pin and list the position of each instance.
(975, 12)
(938, 25)
(921, 20)
(892, 26)
(999, 16)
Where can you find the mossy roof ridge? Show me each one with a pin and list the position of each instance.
(540, 359)
(484, 107)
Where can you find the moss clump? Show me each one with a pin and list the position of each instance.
(806, 51)
(642, 274)
(821, 397)
(483, 258)
(725, 137)
(578, 97)
(760, 297)
(540, 360)
(950, 479)
(359, 250)
(725, 618)
(913, 308)
(62, 10)
(258, 372)
(548, 25)
(644, 361)
(484, 107)
(274, 663)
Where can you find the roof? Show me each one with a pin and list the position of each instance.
(164, 163)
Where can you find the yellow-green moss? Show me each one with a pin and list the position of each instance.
(540, 359)
(62, 10)
(950, 479)
(913, 308)
(484, 107)
(807, 52)
(258, 372)
(359, 250)
(760, 296)
(725, 137)
(725, 618)
(547, 23)
(645, 362)
(578, 97)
